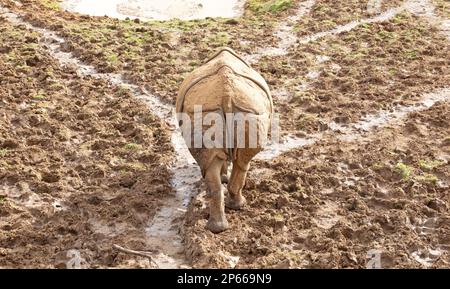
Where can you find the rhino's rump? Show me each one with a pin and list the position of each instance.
(227, 91)
(226, 86)
(211, 82)
(237, 98)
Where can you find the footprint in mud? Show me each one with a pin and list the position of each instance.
(326, 216)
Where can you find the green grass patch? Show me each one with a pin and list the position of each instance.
(50, 4)
(427, 178)
(112, 58)
(404, 170)
(269, 6)
(220, 39)
(132, 146)
(39, 96)
(3, 152)
(429, 165)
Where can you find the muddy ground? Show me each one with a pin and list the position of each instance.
(327, 205)
(328, 14)
(372, 67)
(84, 165)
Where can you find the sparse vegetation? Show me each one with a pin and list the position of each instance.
(39, 96)
(3, 152)
(51, 4)
(112, 58)
(272, 6)
(404, 170)
(132, 146)
(430, 165)
(427, 178)
(220, 39)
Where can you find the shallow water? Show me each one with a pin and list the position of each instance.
(157, 9)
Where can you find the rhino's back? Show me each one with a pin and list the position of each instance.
(225, 82)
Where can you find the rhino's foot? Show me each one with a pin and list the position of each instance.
(217, 226)
(235, 203)
(224, 179)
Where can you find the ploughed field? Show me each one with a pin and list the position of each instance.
(86, 164)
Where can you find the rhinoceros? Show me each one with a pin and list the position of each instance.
(225, 84)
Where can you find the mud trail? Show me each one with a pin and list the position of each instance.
(284, 33)
(72, 149)
(358, 130)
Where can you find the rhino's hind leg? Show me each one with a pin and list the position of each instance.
(217, 221)
(238, 175)
(236, 200)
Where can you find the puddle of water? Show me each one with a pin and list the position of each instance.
(421, 8)
(313, 74)
(157, 9)
(335, 67)
(58, 205)
(348, 178)
(322, 58)
(22, 196)
(374, 6)
(231, 260)
(424, 227)
(163, 231)
(303, 87)
(282, 95)
(110, 230)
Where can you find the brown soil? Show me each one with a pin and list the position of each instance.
(327, 14)
(372, 67)
(83, 165)
(442, 8)
(328, 205)
(157, 54)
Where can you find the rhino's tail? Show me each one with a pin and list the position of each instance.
(227, 108)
